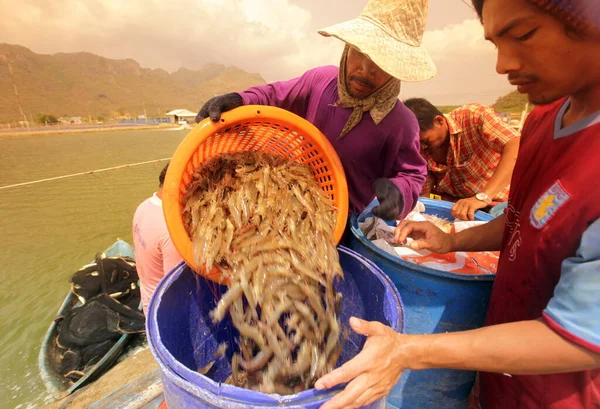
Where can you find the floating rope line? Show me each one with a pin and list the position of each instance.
(89, 172)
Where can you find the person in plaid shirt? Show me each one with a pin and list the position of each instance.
(470, 155)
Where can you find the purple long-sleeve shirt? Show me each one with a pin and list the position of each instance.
(388, 150)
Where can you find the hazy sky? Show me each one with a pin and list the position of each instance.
(276, 38)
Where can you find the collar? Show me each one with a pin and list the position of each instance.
(155, 200)
(560, 132)
(453, 126)
(455, 131)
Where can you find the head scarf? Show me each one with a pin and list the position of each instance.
(583, 15)
(379, 103)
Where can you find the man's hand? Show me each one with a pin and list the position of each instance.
(214, 107)
(425, 235)
(390, 199)
(465, 209)
(372, 373)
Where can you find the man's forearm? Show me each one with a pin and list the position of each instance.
(487, 237)
(501, 177)
(519, 348)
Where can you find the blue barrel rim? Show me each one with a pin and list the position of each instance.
(448, 205)
(173, 377)
(358, 234)
(225, 391)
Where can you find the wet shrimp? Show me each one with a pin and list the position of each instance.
(265, 222)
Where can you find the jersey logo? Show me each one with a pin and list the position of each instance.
(548, 204)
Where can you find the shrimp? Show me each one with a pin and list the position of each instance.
(258, 362)
(264, 221)
(218, 313)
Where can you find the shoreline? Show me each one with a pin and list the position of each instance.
(10, 135)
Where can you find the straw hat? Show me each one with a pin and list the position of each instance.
(390, 32)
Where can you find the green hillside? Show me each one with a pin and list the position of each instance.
(512, 102)
(82, 84)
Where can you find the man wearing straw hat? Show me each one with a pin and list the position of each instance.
(541, 344)
(357, 106)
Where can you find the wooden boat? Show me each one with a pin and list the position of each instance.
(50, 354)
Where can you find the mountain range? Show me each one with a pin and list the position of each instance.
(88, 85)
(85, 84)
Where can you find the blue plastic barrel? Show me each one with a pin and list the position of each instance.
(183, 339)
(435, 302)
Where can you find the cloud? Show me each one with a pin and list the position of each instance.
(258, 35)
(276, 38)
(466, 67)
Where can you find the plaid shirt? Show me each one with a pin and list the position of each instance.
(477, 139)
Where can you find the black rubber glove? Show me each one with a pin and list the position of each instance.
(214, 107)
(390, 199)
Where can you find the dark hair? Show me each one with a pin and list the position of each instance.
(425, 112)
(478, 6)
(161, 177)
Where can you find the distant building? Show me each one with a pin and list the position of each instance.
(181, 116)
(70, 120)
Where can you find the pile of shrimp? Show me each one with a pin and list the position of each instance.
(442, 223)
(265, 223)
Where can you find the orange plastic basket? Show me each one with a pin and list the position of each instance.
(251, 128)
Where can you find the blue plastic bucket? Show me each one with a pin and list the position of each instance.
(435, 302)
(183, 339)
